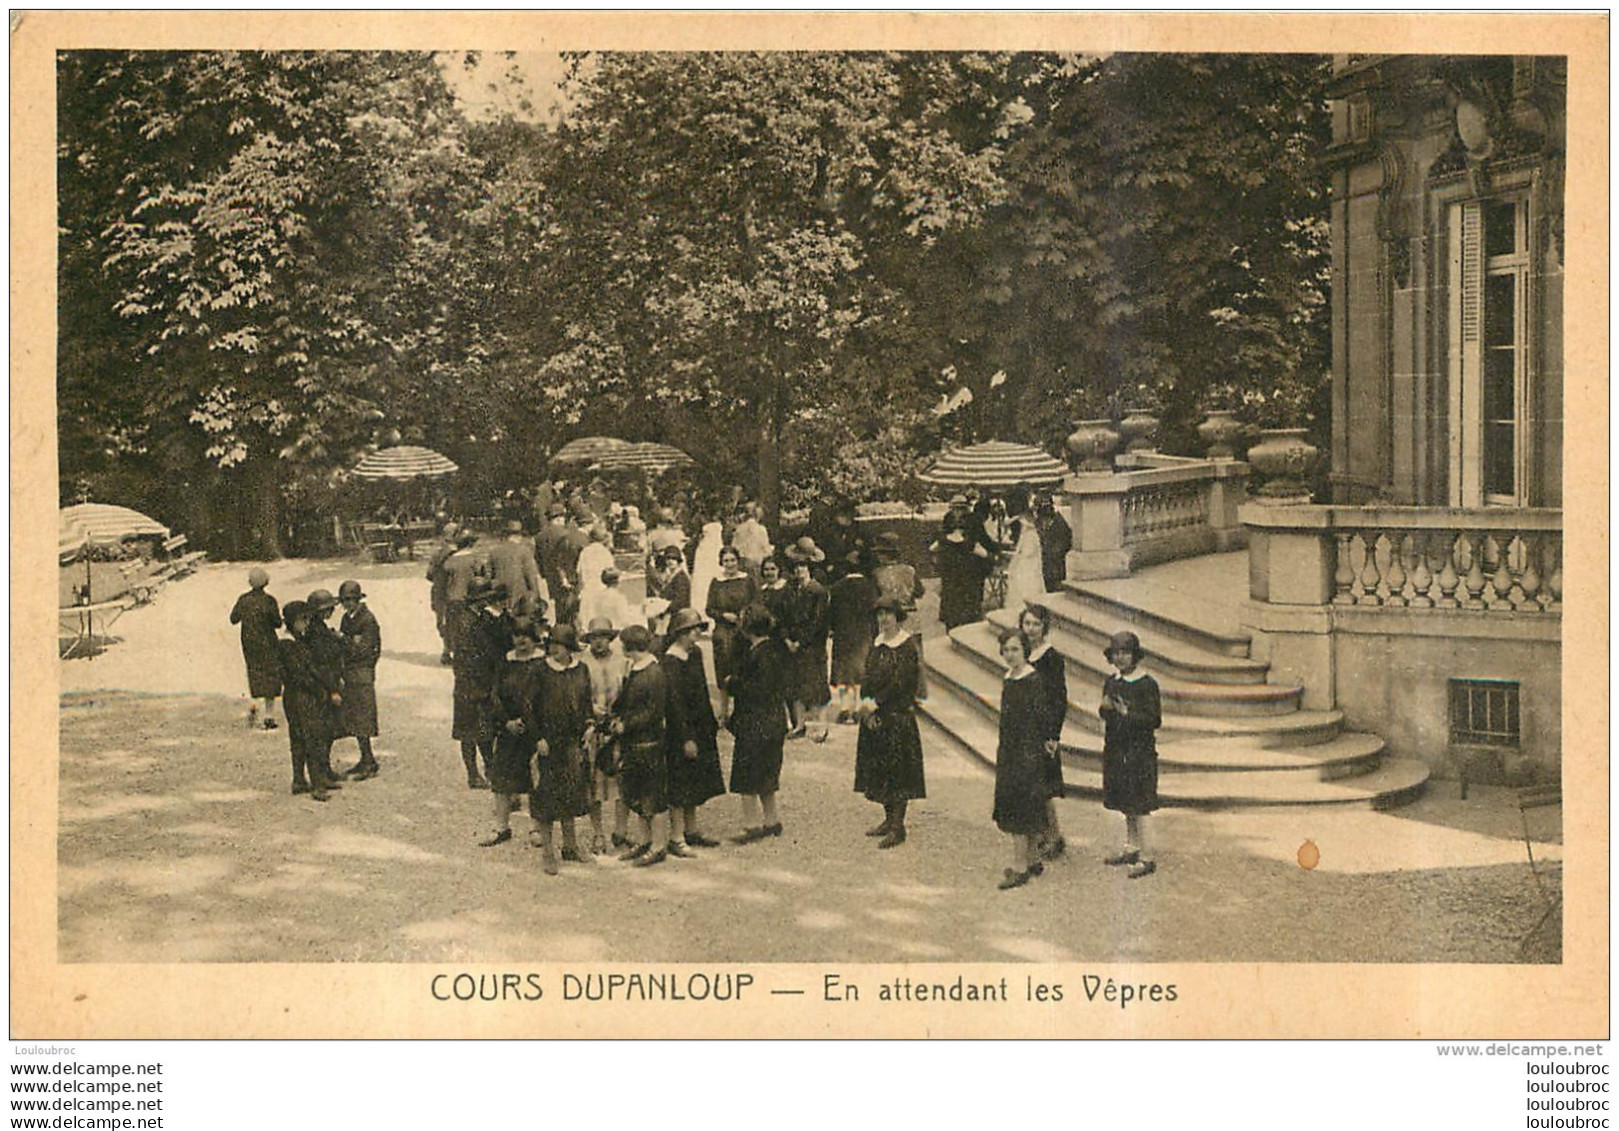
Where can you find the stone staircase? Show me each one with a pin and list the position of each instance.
(1229, 737)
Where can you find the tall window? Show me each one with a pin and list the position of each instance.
(1489, 339)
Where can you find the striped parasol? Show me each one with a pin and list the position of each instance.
(589, 449)
(651, 458)
(406, 461)
(995, 464)
(102, 523)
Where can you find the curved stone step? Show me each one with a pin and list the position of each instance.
(1168, 652)
(1394, 782)
(956, 670)
(982, 641)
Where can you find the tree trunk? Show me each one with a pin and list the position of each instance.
(767, 455)
(263, 505)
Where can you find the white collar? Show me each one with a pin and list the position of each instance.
(1045, 646)
(1025, 674)
(678, 651)
(1132, 677)
(895, 640)
(643, 662)
(552, 664)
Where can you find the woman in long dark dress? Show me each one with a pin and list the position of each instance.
(256, 611)
(561, 786)
(483, 636)
(963, 566)
(772, 591)
(888, 755)
(853, 628)
(1022, 786)
(759, 722)
(691, 742)
(804, 626)
(639, 717)
(728, 594)
(1035, 625)
(513, 715)
(312, 700)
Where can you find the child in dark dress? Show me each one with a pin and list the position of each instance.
(1130, 709)
(516, 726)
(256, 611)
(854, 627)
(1034, 623)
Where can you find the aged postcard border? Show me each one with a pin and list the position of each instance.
(50, 999)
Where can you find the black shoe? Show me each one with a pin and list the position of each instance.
(1037, 869)
(880, 830)
(675, 848)
(316, 793)
(895, 838)
(300, 787)
(499, 838)
(270, 724)
(635, 853)
(698, 840)
(1011, 879)
(772, 830)
(1145, 868)
(477, 782)
(657, 857)
(749, 836)
(364, 771)
(574, 856)
(620, 840)
(1054, 849)
(1128, 856)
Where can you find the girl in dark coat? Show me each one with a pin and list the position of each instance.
(888, 755)
(256, 611)
(1035, 625)
(639, 717)
(311, 701)
(479, 648)
(849, 612)
(963, 566)
(759, 722)
(1130, 709)
(561, 782)
(691, 743)
(362, 648)
(728, 594)
(1022, 787)
(512, 713)
(772, 592)
(804, 625)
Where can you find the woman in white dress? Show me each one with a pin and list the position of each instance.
(1024, 579)
(706, 566)
(593, 559)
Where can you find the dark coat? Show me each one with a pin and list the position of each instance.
(512, 564)
(854, 625)
(362, 648)
(806, 620)
(689, 717)
(1053, 675)
(888, 754)
(309, 679)
(1022, 783)
(641, 711)
(759, 691)
(961, 582)
(1130, 749)
(728, 596)
(259, 615)
(479, 653)
(1056, 539)
(561, 778)
(515, 698)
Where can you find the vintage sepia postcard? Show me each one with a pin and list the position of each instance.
(809, 525)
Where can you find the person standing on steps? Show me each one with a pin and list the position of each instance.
(256, 611)
(888, 765)
(1035, 625)
(362, 648)
(1022, 789)
(1056, 539)
(1132, 714)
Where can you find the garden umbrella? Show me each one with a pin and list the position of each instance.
(405, 461)
(588, 449)
(650, 458)
(84, 524)
(996, 464)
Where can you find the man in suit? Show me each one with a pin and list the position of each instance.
(362, 648)
(438, 577)
(511, 563)
(1056, 539)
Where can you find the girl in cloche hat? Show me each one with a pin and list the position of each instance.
(1131, 712)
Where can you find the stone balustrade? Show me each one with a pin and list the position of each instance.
(1152, 508)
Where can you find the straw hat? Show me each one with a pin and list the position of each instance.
(599, 627)
(805, 550)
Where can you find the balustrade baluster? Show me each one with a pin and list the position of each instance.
(1370, 577)
(1396, 571)
(1474, 580)
(1448, 578)
(1552, 597)
(1501, 582)
(1529, 579)
(1421, 576)
(1343, 577)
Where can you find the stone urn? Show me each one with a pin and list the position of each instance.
(1092, 444)
(1218, 430)
(1285, 458)
(1140, 430)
